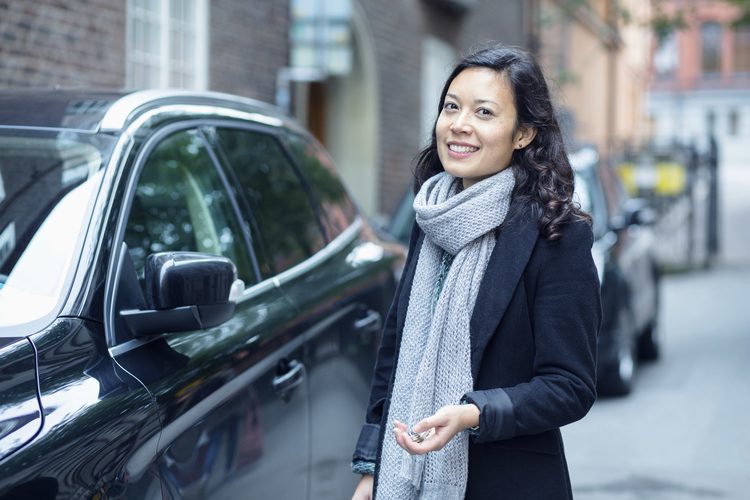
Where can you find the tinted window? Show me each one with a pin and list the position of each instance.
(181, 204)
(278, 201)
(318, 169)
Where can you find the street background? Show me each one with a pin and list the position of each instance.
(683, 432)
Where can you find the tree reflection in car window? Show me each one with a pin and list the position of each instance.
(279, 203)
(180, 204)
(318, 168)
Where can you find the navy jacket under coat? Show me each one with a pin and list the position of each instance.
(533, 359)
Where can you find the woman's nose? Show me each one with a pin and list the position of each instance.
(460, 124)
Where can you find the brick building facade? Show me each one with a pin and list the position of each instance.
(84, 43)
(700, 84)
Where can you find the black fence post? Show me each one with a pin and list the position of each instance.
(692, 177)
(712, 225)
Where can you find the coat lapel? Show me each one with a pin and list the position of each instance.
(507, 263)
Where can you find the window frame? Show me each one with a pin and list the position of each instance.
(278, 137)
(703, 46)
(130, 179)
(312, 190)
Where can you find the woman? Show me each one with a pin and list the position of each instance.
(490, 343)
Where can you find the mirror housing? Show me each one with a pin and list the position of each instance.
(185, 291)
(638, 212)
(635, 212)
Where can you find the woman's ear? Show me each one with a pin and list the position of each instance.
(523, 137)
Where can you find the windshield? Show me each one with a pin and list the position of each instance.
(48, 181)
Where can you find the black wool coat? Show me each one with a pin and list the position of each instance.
(533, 360)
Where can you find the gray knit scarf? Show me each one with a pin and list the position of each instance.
(434, 362)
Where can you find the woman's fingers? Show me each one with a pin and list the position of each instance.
(429, 434)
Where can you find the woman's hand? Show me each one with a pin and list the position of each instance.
(364, 488)
(446, 422)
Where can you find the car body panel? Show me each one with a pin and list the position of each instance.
(95, 416)
(240, 409)
(20, 411)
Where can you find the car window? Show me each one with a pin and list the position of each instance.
(318, 169)
(613, 190)
(590, 197)
(48, 182)
(181, 204)
(278, 202)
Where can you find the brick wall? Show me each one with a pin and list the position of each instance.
(249, 43)
(70, 43)
(77, 43)
(396, 28)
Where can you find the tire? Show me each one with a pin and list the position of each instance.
(649, 343)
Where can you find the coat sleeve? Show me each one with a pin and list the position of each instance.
(367, 444)
(566, 315)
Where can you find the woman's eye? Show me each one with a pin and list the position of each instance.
(450, 105)
(484, 112)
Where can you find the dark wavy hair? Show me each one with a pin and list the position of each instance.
(544, 177)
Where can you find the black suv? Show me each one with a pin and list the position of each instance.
(624, 251)
(190, 303)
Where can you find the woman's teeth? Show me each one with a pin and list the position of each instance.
(462, 149)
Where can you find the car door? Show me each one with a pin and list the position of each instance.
(354, 286)
(340, 281)
(635, 247)
(233, 399)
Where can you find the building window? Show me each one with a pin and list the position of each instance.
(742, 50)
(666, 55)
(711, 47)
(167, 44)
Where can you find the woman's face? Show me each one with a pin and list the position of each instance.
(476, 133)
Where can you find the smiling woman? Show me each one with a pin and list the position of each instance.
(490, 343)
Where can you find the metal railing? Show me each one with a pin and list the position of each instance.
(681, 183)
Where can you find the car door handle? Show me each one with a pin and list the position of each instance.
(284, 383)
(370, 322)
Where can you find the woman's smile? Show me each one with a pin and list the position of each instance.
(460, 150)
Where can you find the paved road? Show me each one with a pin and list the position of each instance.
(685, 431)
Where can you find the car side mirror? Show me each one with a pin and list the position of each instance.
(635, 211)
(185, 291)
(638, 212)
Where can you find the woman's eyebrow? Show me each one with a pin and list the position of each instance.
(476, 101)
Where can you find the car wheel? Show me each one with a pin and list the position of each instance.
(617, 379)
(649, 345)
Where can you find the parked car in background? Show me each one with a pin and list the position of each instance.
(624, 253)
(190, 303)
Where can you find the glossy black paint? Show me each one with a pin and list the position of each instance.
(264, 405)
(96, 417)
(19, 405)
(625, 243)
(175, 279)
